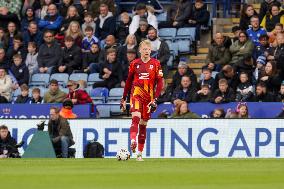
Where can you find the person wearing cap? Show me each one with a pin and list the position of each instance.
(142, 32)
(260, 64)
(142, 12)
(160, 49)
(72, 57)
(182, 70)
(66, 110)
(54, 94)
(255, 31)
(77, 95)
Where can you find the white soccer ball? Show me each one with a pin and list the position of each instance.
(123, 155)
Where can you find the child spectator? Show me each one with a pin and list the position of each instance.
(260, 63)
(89, 39)
(244, 89)
(203, 95)
(91, 59)
(241, 112)
(31, 60)
(89, 21)
(218, 113)
(19, 70)
(36, 98)
(123, 28)
(223, 94)
(24, 96)
(208, 79)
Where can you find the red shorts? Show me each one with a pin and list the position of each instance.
(137, 105)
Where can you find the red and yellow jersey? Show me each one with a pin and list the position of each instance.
(143, 78)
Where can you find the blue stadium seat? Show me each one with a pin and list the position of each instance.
(94, 77)
(184, 46)
(168, 33)
(170, 62)
(162, 17)
(104, 111)
(16, 93)
(186, 33)
(62, 78)
(99, 95)
(173, 46)
(66, 90)
(114, 97)
(42, 91)
(78, 76)
(40, 79)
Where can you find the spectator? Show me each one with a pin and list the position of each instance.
(2, 34)
(246, 65)
(204, 94)
(63, 7)
(95, 7)
(130, 44)
(246, 14)
(130, 55)
(72, 16)
(36, 98)
(52, 21)
(177, 14)
(241, 112)
(19, 70)
(83, 8)
(44, 8)
(50, 54)
(4, 62)
(279, 54)
(241, 48)
(35, 5)
(17, 48)
(184, 92)
(272, 38)
(262, 95)
(89, 21)
(166, 94)
(224, 93)
(230, 75)
(142, 32)
(91, 60)
(142, 12)
(207, 79)
(77, 95)
(160, 49)
(265, 6)
(218, 113)
(110, 72)
(60, 132)
(89, 39)
(54, 94)
(110, 43)
(218, 55)
(75, 32)
(5, 86)
(105, 24)
(6, 17)
(29, 17)
(255, 31)
(10, 34)
(66, 110)
(7, 140)
(280, 96)
(122, 30)
(183, 70)
(244, 89)
(14, 6)
(260, 64)
(272, 18)
(270, 77)
(236, 31)
(33, 35)
(31, 60)
(72, 57)
(263, 47)
(182, 111)
(198, 17)
(24, 96)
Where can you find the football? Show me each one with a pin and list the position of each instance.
(123, 155)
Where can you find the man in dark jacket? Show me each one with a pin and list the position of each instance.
(72, 57)
(28, 18)
(50, 54)
(32, 35)
(17, 48)
(265, 6)
(4, 62)
(160, 49)
(6, 17)
(279, 54)
(177, 15)
(59, 131)
(7, 143)
(261, 94)
(224, 94)
(105, 24)
(184, 92)
(230, 75)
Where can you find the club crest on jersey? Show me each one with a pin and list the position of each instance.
(137, 66)
(151, 67)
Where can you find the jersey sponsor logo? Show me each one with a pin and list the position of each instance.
(144, 76)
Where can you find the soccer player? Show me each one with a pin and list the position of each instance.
(144, 82)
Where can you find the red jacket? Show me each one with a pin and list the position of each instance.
(81, 96)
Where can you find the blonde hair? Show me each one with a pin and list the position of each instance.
(68, 10)
(128, 37)
(70, 33)
(124, 14)
(145, 42)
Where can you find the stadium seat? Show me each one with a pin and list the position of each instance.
(167, 33)
(40, 79)
(94, 77)
(62, 78)
(184, 46)
(99, 95)
(186, 33)
(66, 90)
(103, 111)
(16, 93)
(162, 17)
(173, 46)
(170, 62)
(114, 97)
(78, 76)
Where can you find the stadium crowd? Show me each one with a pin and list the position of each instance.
(93, 36)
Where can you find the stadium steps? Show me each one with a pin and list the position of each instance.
(202, 51)
(236, 21)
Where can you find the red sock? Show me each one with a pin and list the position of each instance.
(134, 127)
(141, 137)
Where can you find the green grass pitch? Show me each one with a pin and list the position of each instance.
(153, 173)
